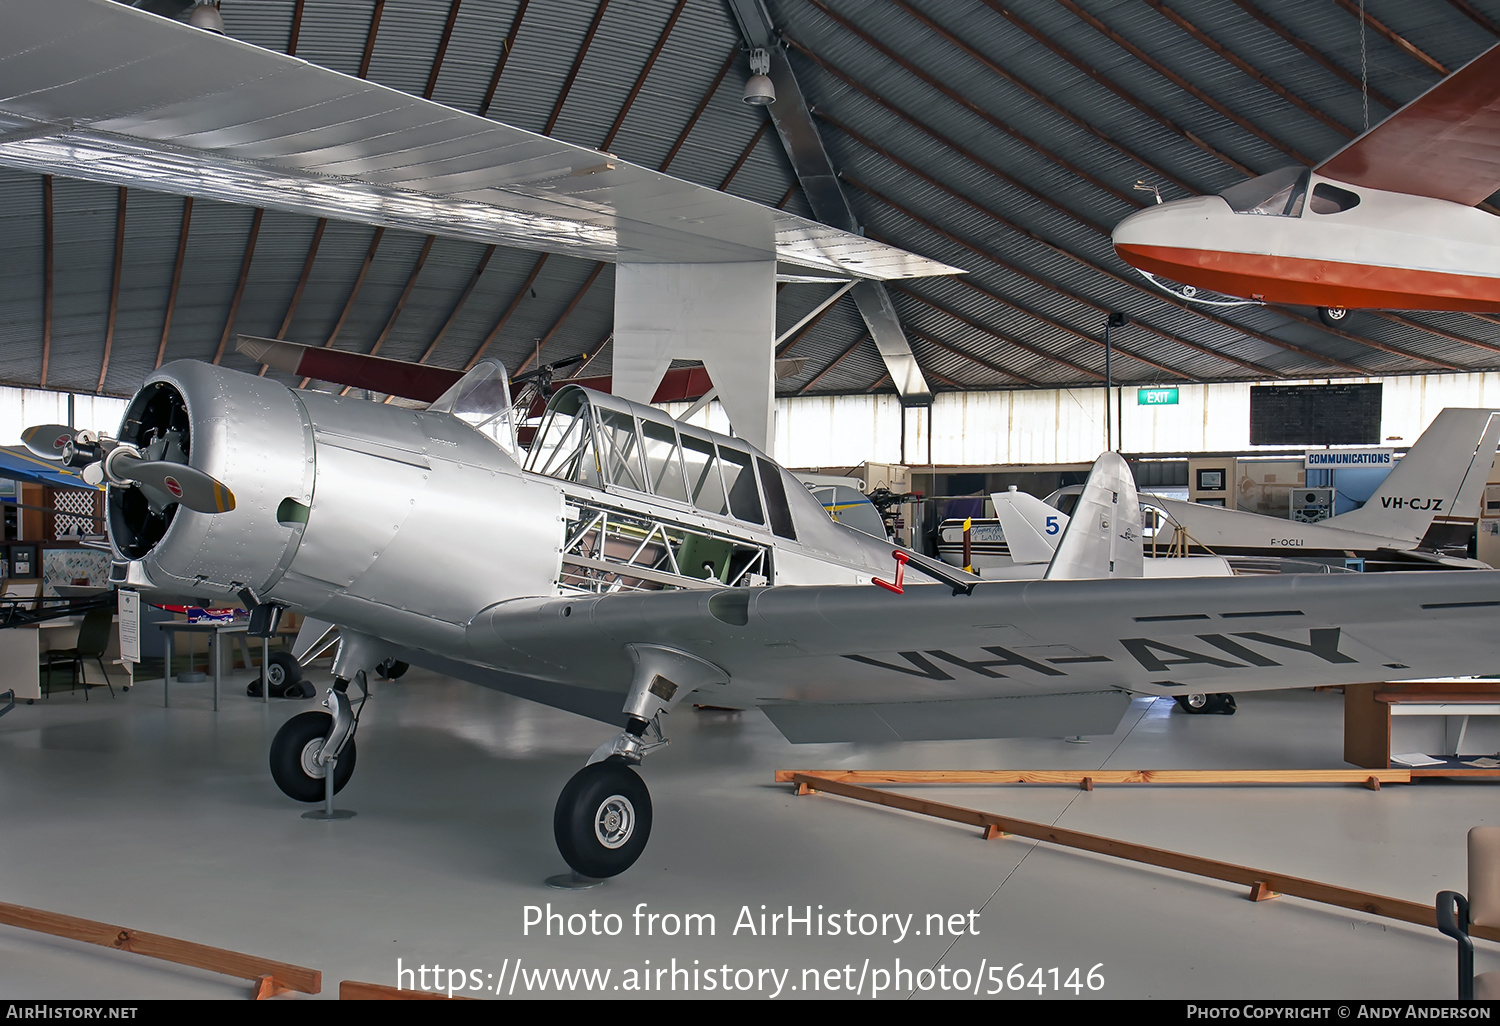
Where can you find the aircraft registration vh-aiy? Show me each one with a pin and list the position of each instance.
(1388, 222)
(628, 561)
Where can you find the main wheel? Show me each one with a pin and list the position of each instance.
(284, 672)
(603, 819)
(294, 765)
(1333, 316)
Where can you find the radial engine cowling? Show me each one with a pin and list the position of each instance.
(248, 431)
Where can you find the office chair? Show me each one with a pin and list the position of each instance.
(93, 639)
(1456, 913)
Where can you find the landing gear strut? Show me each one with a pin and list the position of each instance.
(308, 742)
(603, 816)
(1200, 704)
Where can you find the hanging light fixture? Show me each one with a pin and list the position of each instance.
(206, 16)
(758, 90)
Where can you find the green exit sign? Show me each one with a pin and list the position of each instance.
(1156, 397)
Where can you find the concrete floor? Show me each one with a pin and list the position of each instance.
(166, 820)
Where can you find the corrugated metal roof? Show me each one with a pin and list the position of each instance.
(917, 131)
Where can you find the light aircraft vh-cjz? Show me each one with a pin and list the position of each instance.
(1424, 511)
(632, 561)
(1388, 222)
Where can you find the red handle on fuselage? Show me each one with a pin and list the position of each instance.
(901, 560)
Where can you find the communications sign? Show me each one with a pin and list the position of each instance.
(1333, 459)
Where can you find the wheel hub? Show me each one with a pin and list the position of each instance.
(310, 764)
(614, 821)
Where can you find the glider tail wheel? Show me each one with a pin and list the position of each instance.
(1333, 316)
(294, 751)
(603, 819)
(1201, 703)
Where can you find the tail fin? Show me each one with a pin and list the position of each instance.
(1031, 527)
(1443, 475)
(1104, 537)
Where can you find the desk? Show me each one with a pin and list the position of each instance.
(215, 631)
(21, 649)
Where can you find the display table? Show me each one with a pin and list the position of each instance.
(215, 632)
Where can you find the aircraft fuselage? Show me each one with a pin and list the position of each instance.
(1332, 245)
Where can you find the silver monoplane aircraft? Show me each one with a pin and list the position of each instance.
(628, 561)
(625, 561)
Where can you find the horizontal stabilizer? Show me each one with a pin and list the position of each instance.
(1031, 527)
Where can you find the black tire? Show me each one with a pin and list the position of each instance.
(391, 669)
(603, 819)
(284, 671)
(296, 736)
(1194, 704)
(1201, 704)
(1333, 316)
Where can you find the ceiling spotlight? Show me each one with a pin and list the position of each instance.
(206, 16)
(759, 91)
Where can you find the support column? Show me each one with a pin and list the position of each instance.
(722, 314)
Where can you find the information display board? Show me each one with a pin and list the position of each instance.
(1315, 414)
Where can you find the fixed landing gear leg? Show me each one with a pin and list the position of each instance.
(603, 816)
(312, 755)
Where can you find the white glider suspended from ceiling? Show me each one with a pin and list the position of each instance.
(1389, 222)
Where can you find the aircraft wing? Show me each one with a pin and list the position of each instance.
(1039, 657)
(1444, 144)
(93, 89)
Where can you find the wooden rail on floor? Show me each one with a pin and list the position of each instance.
(271, 978)
(1262, 884)
(1371, 778)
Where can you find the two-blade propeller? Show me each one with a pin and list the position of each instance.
(161, 479)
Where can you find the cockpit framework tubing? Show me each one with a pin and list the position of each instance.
(612, 550)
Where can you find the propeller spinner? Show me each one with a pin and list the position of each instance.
(161, 479)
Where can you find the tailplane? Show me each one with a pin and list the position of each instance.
(1031, 527)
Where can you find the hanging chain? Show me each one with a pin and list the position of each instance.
(1364, 68)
